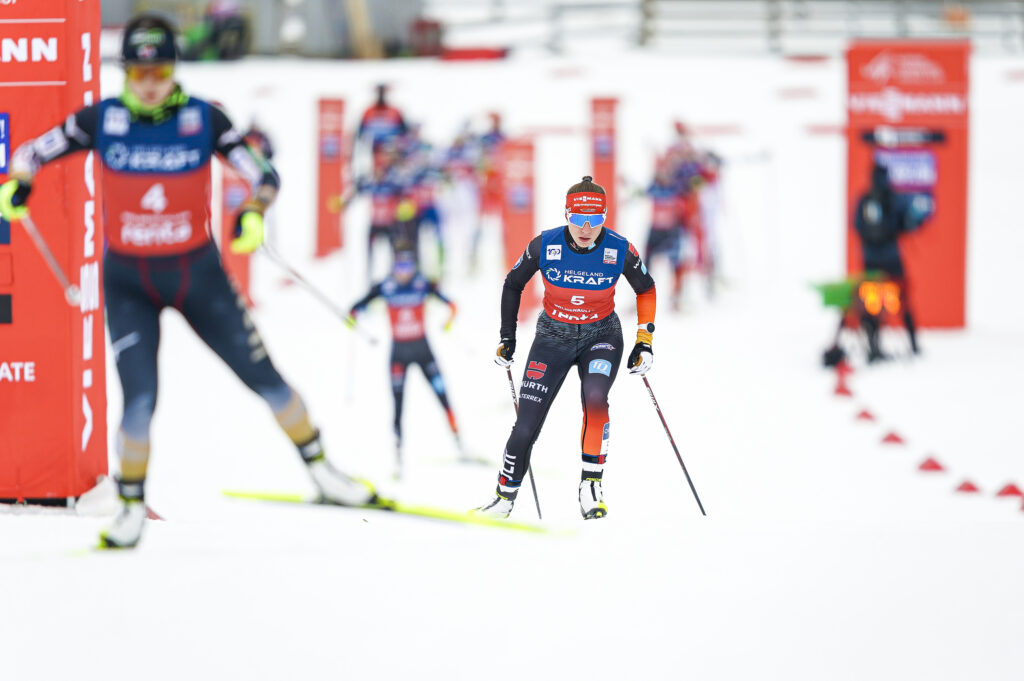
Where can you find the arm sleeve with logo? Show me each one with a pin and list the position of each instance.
(515, 282)
(77, 133)
(257, 171)
(643, 285)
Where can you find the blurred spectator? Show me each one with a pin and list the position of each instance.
(223, 34)
(381, 122)
(881, 217)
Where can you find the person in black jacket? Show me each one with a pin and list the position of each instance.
(881, 217)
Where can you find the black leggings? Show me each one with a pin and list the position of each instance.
(194, 283)
(596, 350)
(403, 354)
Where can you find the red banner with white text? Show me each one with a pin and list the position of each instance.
(332, 160)
(908, 111)
(53, 426)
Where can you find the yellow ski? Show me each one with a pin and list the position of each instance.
(391, 506)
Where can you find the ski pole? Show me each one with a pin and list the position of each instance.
(72, 294)
(316, 293)
(673, 442)
(529, 469)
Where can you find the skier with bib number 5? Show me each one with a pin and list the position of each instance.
(580, 264)
(155, 144)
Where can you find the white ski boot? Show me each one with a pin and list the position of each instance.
(341, 489)
(592, 500)
(500, 506)
(125, 531)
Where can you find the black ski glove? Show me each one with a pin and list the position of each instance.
(641, 359)
(507, 347)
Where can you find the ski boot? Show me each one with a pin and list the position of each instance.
(592, 500)
(500, 506)
(126, 529)
(337, 488)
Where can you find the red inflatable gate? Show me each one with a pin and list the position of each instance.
(53, 429)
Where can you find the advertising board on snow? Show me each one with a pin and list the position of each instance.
(908, 111)
(53, 436)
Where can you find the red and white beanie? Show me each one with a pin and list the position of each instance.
(586, 201)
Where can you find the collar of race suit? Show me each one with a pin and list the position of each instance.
(153, 114)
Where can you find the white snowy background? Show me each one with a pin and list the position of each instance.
(825, 554)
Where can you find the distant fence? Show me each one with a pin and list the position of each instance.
(333, 28)
(730, 26)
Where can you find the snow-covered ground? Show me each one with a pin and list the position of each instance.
(825, 553)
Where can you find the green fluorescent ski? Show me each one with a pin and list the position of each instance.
(393, 507)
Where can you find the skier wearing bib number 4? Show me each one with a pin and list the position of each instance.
(155, 144)
(580, 264)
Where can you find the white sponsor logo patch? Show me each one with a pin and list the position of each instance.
(116, 121)
(156, 230)
(190, 121)
(155, 159)
(611, 256)
(554, 252)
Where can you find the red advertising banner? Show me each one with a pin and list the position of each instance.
(332, 161)
(233, 195)
(53, 426)
(908, 109)
(602, 131)
(518, 209)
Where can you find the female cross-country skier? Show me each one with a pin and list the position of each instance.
(405, 292)
(580, 264)
(155, 144)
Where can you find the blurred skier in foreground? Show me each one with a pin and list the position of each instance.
(155, 143)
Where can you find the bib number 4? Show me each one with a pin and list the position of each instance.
(154, 199)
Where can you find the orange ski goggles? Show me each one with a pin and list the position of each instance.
(138, 72)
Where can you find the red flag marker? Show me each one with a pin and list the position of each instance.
(967, 486)
(865, 415)
(893, 439)
(1010, 490)
(931, 465)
